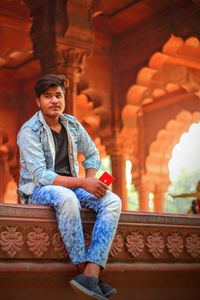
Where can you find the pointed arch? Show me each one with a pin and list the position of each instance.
(173, 71)
(160, 150)
(176, 67)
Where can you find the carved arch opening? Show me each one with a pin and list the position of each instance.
(175, 69)
(160, 150)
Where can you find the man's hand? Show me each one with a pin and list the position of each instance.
(90, 183)
(94, 186)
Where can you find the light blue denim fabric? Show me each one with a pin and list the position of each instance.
(37, 157)
(37, 151)
(67, 204)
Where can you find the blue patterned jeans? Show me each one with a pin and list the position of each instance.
(67, 204)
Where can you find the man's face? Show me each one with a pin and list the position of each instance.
(52, 102)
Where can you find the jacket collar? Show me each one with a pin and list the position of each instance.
(63, 118)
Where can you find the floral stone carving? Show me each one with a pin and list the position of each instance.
(155, 244)
(135, 243)
(11, 240)
(58, 245)
(193, 244)
(38, 241)
(117, 245)
(175, 244)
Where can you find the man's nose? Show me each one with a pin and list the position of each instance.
(54, 99)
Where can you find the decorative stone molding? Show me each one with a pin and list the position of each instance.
(58, 245)
(155, 244)
(28, 232)
(11, 240)
(37, 241)
(117, 245)
(193, 244)
(175, 244)
(135, 243)
(74, 58)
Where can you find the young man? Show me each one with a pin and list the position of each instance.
(48, 144)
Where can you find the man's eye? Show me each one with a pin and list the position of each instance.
(48, 96)
(59, 96)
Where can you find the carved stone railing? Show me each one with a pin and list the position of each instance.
(145, 243)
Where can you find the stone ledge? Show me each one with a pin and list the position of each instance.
(152, 256)
(30, 232)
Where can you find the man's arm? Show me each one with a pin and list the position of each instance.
(87, 147)
(90, 183)
(32, 153)
(32, 157)
(90, 173)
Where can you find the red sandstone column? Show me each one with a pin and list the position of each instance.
(144, 188)
(68, 36)
(159, 192)
(144, 199)
(73, 66)
(118, 156)
(119, 172)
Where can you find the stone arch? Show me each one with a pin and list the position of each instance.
(177, 66)
(175, 69)
(160, 150)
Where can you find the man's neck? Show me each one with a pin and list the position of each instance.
(54, 124)
(51, 121)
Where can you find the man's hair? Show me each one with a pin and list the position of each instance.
(49, 80)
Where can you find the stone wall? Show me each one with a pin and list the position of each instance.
(153, 256)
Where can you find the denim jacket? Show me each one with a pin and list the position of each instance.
(37, 151)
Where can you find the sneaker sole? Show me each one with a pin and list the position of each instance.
(79, 288)
(111, 293)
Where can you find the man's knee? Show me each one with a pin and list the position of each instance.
(118, 203)
(69, 205)
(113, 202)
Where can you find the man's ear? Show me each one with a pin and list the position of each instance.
(38, 102)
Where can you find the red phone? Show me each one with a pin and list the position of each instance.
(107, 178)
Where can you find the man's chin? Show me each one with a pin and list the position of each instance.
(53, 114)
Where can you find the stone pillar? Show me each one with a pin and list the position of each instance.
(62, 37)
(69, 62)
(72, 66)
(144, 199)
(119, 172)
(159, 192)
(114, 148)
(144, 188)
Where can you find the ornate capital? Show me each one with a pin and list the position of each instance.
(61, 34)
(74, 60)
(122, 143)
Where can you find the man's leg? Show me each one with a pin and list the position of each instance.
(67, 209)
(108, 209)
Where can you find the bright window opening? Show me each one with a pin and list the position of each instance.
(184, 170)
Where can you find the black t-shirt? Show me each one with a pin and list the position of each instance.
(62, 166)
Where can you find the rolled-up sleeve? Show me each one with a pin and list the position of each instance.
(33, 159)
(87, 147)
